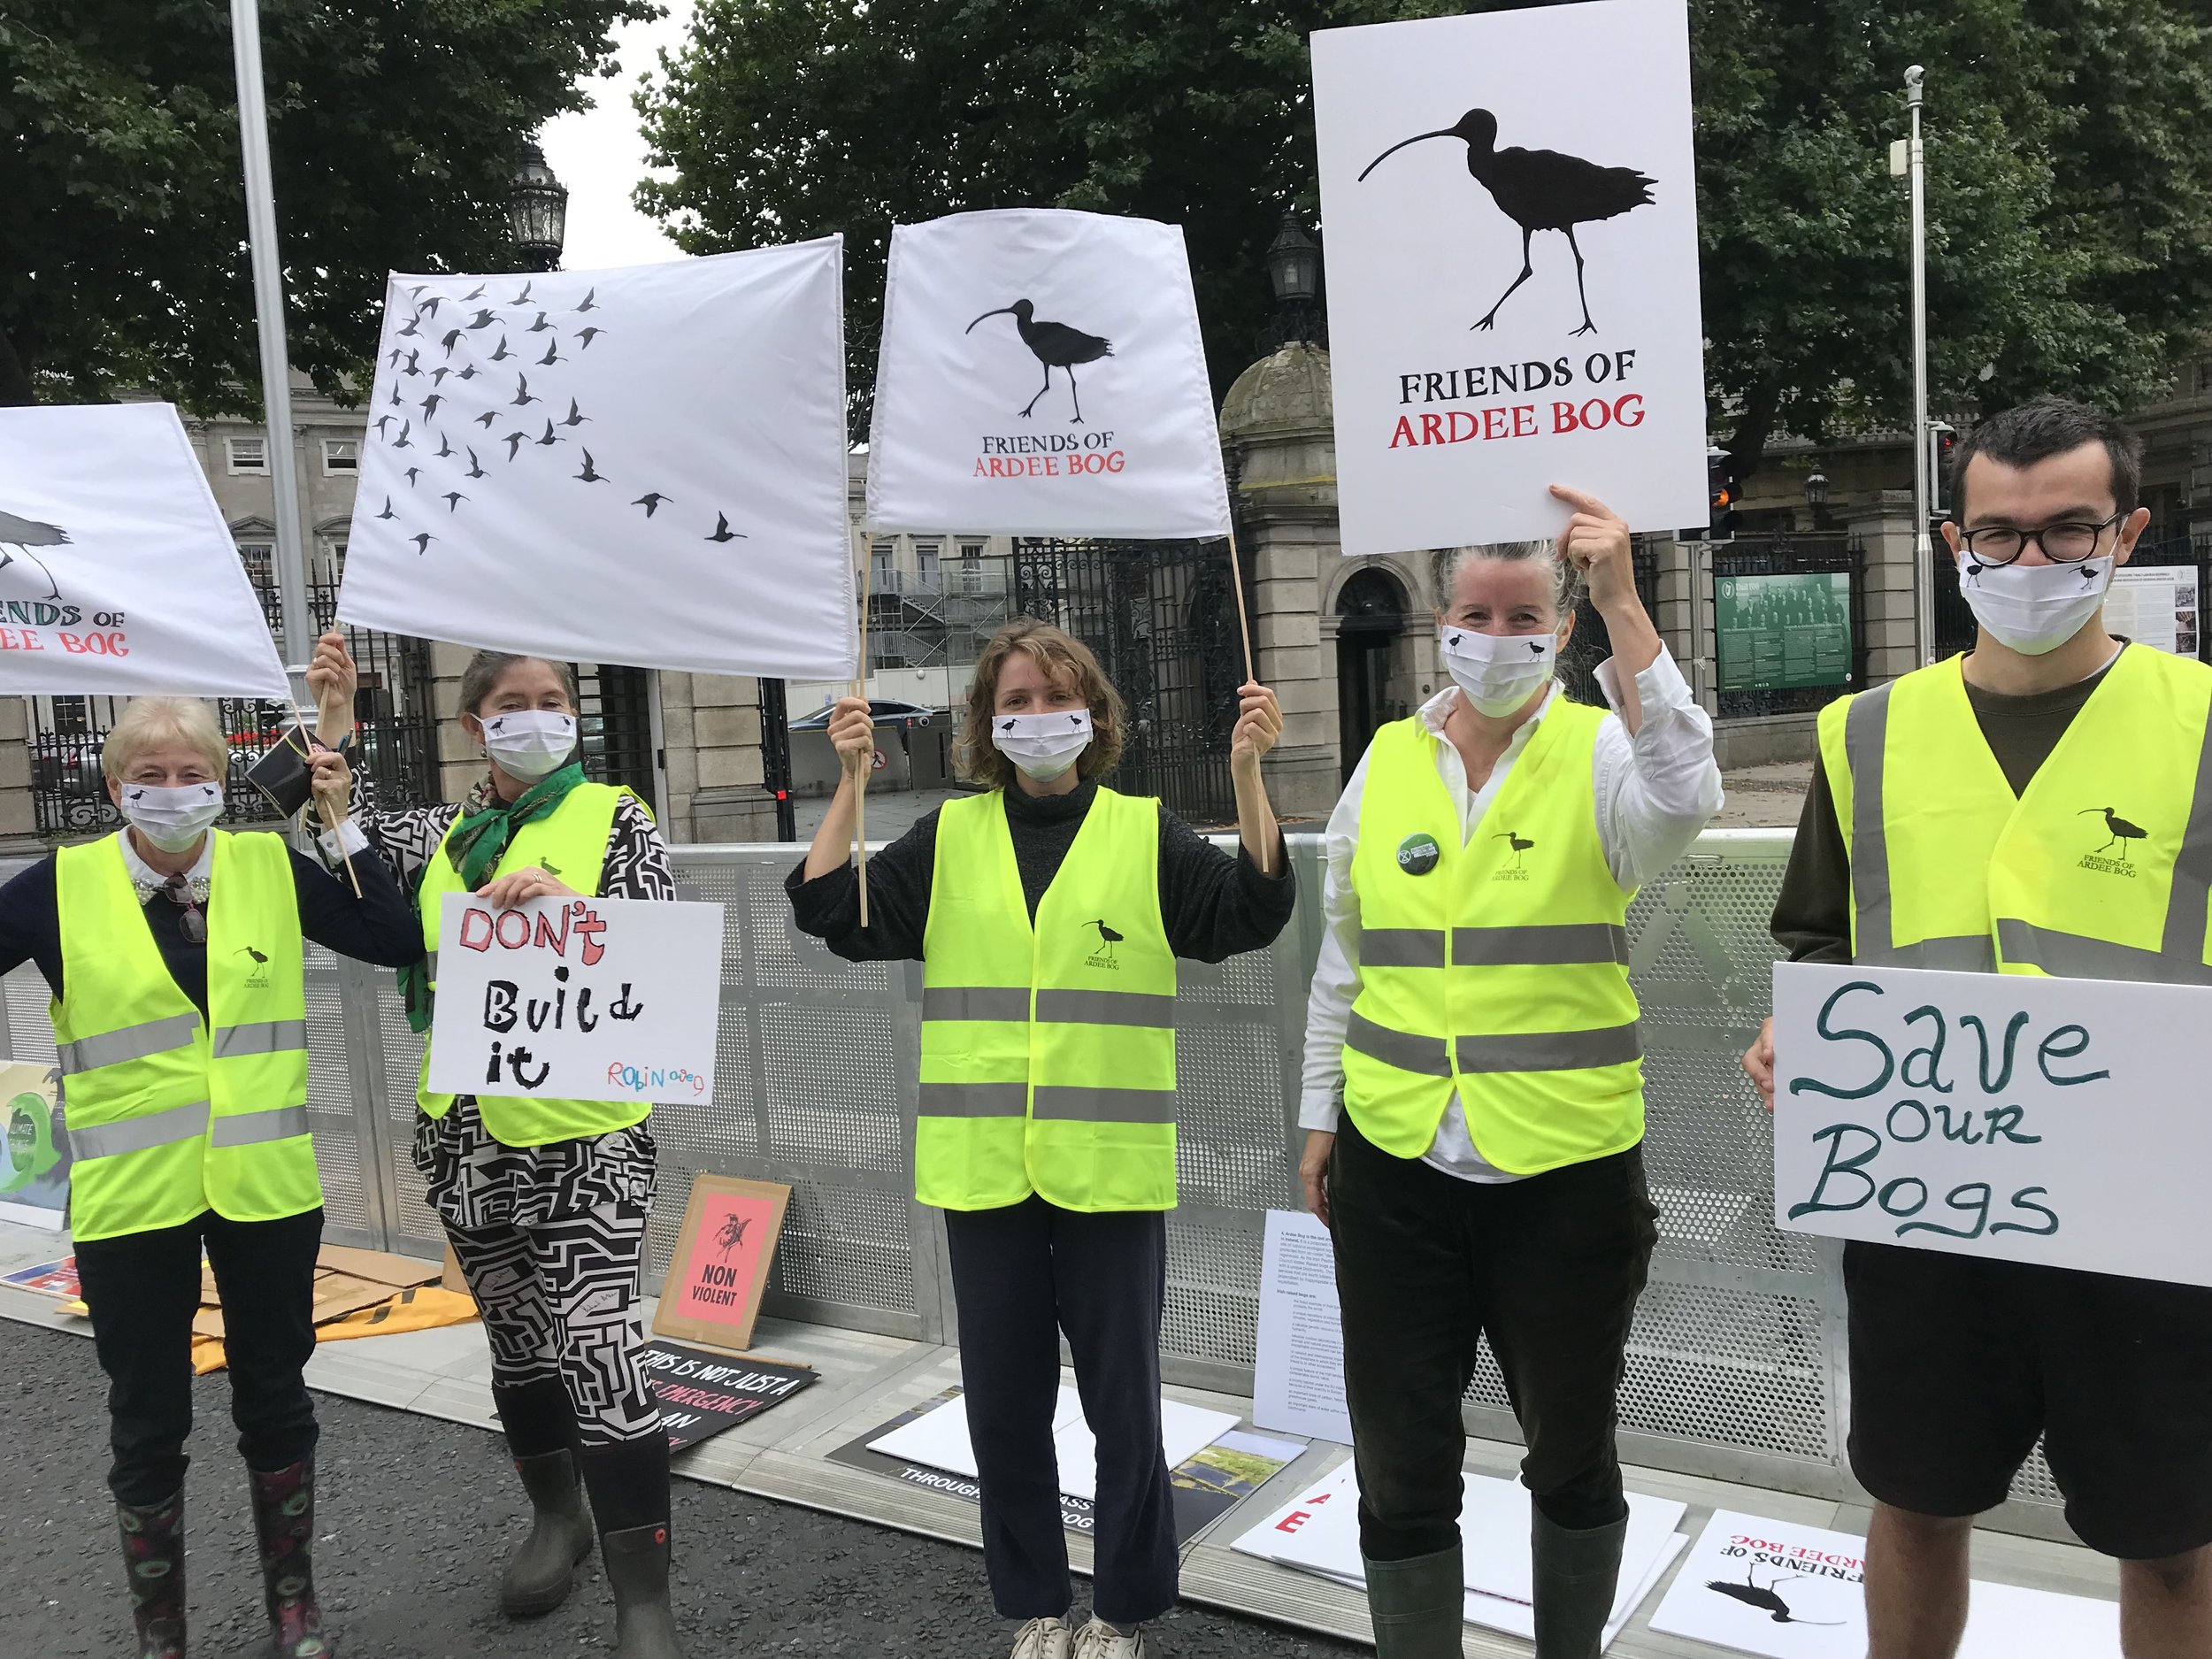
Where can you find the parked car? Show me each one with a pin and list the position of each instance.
(888, 711)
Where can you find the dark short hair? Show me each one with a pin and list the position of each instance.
(2038, 430)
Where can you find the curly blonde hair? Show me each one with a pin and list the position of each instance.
(1066, 661)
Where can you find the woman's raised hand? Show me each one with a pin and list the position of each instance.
(331, 679)
(1596, 542)
(852, 732)
(1259, 723)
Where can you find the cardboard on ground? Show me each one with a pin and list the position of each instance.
(938, 1437)
(346, 1280)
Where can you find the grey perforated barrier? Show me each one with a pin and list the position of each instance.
(1736, 1366)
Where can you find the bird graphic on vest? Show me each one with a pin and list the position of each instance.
(1520, 844)
(1537, 189)
(1107, 938)
(247, 950)
(23, 534)
(1055, 345)
(2121, 831)
(1763, 1598)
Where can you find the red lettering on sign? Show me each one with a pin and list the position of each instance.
(476, 929)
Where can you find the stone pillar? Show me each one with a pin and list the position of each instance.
(721, 759)
(1277, 425)
(1882, 521)
(460, 757)
(1673, 614)
(19, 815)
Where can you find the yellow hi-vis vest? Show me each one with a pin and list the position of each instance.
(1047, 1051)
(1496, 968)
(171, 1115)
(570, 843)
(2099, 872)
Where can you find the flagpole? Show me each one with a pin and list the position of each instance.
(268, 294)
(1236, 581)
(860, 779)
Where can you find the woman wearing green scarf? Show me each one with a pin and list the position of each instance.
(544, 1200)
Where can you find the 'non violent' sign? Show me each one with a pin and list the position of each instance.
(2054, 1121)
(576, 999)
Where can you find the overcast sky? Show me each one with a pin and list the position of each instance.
(599, 154)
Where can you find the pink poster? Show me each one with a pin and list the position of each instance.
(714, 1286)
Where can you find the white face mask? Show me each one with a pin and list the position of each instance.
(173, 819)
(530, 743)
(1043, 745)
(2033, 609)
(1498, 673)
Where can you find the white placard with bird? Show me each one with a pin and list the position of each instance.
(1041, 374)
(117, 574)
(1511, 206)
(643, 465)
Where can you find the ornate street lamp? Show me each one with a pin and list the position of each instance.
(1815, 488)
(1294, 271)
(537, 212)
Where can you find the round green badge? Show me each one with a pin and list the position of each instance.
(1417, 854)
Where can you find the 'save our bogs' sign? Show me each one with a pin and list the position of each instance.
(576, 999)
(2056, 1121)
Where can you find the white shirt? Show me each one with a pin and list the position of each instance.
(1656, 789)
(150, 880)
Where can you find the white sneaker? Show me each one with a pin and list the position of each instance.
(1043, 1639)
(1098, 1639)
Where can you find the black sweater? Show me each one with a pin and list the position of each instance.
(1214, 906)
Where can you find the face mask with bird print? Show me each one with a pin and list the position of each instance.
(1043, 745)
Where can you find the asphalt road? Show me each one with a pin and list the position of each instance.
(413, 1516)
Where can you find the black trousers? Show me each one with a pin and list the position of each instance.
(144, 1287)
(1021, 1275)
(1548, 1268)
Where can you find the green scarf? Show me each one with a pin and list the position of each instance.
(476, 845)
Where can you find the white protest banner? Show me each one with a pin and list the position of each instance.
(1513, 303)
(643, 465)
(1042, 375)
(2056, 1121)
(576, 999)
(118, 575)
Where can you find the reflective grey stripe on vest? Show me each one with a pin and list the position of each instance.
(1402, 947)
(2073, 956)
(139, 1134)
(2183, 940)
(1566, 944)
(976, 1001)
(1149, 1009)
(1963, 952)
(1427, 1055)
(975, 1100)
(1865, 735)
(248, 1129)
(266, 1036)
(430, 966)
(132, 1043)
(1107, 1105)
(1549, 1050)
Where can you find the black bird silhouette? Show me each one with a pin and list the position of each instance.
(1537, 189)
(587, 475)
(422, 542)
(468, 373)
(414, 326)
(247, 950)
(538, 326)
(482, 320)
(437, 376)
(452, 339)
(523, 393)
(722, 530)
(398, 352)
(1107, 938)
(410, 475)
(401, 441)
(1763, 1597)
(2121, 831)
(551, 436)
(394, 396)
(652, 499)
(586, 335)
(416, 292)
(488, 419)
(23, 534)
(552, 355)
(1520, 845)
(429, 307)
(430, 404)
(381, 422)
(476, 467)
(1056, 346)
(410, 368)
(522, 298)
(453, 499)
(574, 419)
(445, 446)
(515, 440)
(503, 354)
(476, 293)
(588, 305)
(387, 513)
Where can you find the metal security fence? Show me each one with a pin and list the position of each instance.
(1736, 1366)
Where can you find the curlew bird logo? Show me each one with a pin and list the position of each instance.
(1752, 1594)
(247, 950)
(1537, 189)
(387, 513)
(2120, 831)
(23, 534)
(1520, 844)
(1055, 345)
(1108, 937)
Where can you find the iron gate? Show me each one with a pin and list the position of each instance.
(616, 719)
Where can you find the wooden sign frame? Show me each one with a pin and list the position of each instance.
(689, 1276)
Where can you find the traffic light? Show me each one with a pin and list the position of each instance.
(1943, 443)
(1722, 494)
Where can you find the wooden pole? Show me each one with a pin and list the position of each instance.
(860, 780)
(1244, 622)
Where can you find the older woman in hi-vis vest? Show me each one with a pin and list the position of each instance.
(173, 952)
(1047, 914)
(543, 1200)
(1473, 1082)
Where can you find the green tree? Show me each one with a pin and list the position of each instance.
(2070, 141)
(394, 126)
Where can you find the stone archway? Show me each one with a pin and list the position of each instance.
(1370, 610)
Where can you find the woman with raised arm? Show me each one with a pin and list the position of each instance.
(173, 952)
(543, 1200)
(1047, 913)
(1473, 1084)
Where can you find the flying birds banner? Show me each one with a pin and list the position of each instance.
(1042, 375)
(1513, 272)
(118, 575)
(643, 465)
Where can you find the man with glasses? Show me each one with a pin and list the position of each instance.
(1961, 818)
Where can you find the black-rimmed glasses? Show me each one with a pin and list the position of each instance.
(2062, 543)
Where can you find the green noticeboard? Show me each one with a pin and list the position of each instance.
(1775, 632)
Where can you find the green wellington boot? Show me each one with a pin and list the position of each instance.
(543, 1567)
(636, 1561)
(1577, 1570)
(1418, 1606)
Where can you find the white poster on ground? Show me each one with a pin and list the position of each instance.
(1042, 375)
(1785, 1591)
(578, 999)
(117, 574)
(643, 465)
(1513, 271)
(1298, 1362)
(2033, 1119)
